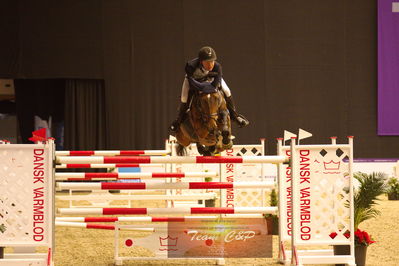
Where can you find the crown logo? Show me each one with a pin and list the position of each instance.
(331, 165)
(167, 243)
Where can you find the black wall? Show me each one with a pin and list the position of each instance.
(290, 64)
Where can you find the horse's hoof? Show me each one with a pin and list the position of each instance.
(228, 146)
(206, 153)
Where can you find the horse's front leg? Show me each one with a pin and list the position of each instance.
(226, 131)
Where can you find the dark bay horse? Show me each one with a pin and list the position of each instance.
(207, 124)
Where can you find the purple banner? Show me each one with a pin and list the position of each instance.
(388, 67)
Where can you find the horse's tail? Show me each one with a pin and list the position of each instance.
(181, 150)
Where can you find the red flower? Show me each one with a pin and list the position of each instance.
(359, 235)
(367, 237)
(363, 238)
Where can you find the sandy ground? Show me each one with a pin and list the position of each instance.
(77, 246)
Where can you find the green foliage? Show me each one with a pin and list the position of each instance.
(273, 203)
(366, 196)
(273, 198)
(393, 186)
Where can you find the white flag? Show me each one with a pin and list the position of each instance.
(288, 135)
(303, 134)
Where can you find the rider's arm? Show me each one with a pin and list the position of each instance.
(190, 67)
(217, 70)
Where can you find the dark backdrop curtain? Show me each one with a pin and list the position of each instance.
(85, 125)
(290, 64)
(42, 98)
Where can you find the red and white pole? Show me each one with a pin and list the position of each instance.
(169, 159)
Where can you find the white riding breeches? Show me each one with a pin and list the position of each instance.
(186, 87)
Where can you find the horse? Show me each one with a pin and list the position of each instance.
(207, 124)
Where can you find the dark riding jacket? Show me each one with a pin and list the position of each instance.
(202, 80)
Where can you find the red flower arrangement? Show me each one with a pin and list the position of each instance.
(362, 238)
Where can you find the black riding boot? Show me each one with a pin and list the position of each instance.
(181, 115)
(239, 119)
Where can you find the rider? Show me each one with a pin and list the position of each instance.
(205, 73)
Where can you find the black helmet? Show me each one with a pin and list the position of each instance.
(207, 54)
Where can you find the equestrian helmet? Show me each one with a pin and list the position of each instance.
(207, 53)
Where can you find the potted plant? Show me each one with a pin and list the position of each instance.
(365, 198)
(393, 189)
(272, 219)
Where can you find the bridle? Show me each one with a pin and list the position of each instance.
(205, 118)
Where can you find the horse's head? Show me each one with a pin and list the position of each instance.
(209, 120)
(208, 109)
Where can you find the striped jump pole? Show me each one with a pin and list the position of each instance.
(142, 175)
(170, 159)
(178, 210)
(155, 219)
(109, 165)
(101, 226)
(193, 196)
(112, 153)
(163, 185)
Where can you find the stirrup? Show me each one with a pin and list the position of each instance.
(242, 121)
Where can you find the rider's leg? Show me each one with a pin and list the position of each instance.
(182, 110)
(239, 119)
